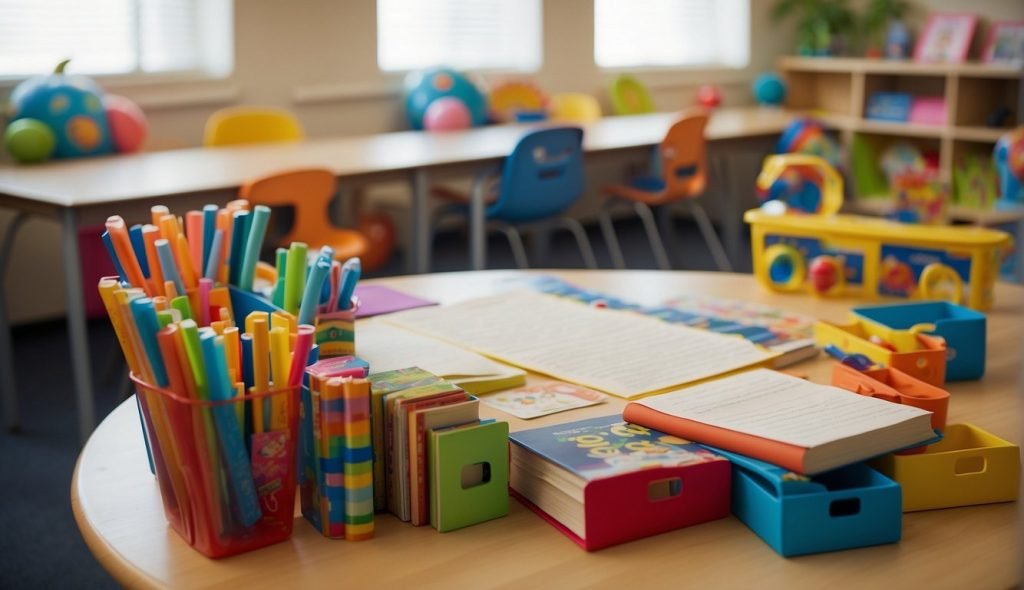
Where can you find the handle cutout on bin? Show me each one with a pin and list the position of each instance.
(969, 465)
(844, 507)
(475, 474)
(663, 489)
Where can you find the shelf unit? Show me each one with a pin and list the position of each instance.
(837, 90)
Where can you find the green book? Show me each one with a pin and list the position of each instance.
(468, 474)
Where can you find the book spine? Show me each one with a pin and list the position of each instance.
(358, 459)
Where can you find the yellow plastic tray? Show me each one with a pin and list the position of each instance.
(969, 466)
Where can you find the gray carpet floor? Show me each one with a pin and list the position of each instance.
(40, 545)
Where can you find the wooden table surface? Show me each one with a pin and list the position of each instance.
(117, 505)
(93, 181)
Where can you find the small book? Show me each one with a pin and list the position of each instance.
(468, 474)
(784, 420)
(421, 422)
(602, 481)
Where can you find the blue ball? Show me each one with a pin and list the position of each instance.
(769, 89)
(426, 86)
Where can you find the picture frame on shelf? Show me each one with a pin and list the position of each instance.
(1005, 43)
(946, 37)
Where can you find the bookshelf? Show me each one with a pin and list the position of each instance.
(837, 91)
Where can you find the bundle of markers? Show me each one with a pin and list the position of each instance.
(219, 405)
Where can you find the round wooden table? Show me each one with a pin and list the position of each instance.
(117, 505)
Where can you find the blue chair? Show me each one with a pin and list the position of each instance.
(541, 179)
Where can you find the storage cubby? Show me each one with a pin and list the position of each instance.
(915, 86)
(866, 171)
(980, 100)
(825, 91)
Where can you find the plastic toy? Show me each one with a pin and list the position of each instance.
(897, 387)
(803, 182)
(447, 114)
(516, 100)
(826, 274)
(769, 89)
(424, 87)
(1009, 158)
(968, 466)
(924, 360)
(901, 158)
(630, 96)
(709, 96)
(975, 182)
(29, 140)
(808, 136)
(963, 330)
(920, 197)
(878, 257)
(76, 116)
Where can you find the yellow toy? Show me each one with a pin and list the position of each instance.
(866, 257)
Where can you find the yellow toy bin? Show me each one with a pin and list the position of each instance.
(924, 360)
(969, 466)
(869, 258)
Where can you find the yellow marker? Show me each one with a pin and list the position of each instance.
(281, 363)
(250, 320)
(218, 327)
(188, 274)
(260, 370)
(108, 287)
(231, 352)
(285, 320)
(169, 228)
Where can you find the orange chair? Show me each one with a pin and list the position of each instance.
(310, 193)
(251, 124)
(683, 159)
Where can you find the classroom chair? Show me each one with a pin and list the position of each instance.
(309, 192)
(574, 108)
(683, 159)
(630, 97)
(251, 124)
(540, 179)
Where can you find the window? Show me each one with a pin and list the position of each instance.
(115, 36)
(659, 33)
(464, 34)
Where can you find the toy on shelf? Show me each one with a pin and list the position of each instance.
(901, 158)
(975, 182)
(803, 182)
(709, 96)
(423, 88)
(868, 257)
(769, 89)
(921, 356)
(808, 136)
(64, 116)
(517, 100)
(1009, 158)
(920, 197)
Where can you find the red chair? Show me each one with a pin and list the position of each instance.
(684, 171)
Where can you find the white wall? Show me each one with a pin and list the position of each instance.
(318, 58)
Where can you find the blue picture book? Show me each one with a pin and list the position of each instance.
(889, 106)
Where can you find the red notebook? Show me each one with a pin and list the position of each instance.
(602, 482)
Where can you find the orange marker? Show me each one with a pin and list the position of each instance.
(194, 232)
(150, 234)
(185, 268)
(157, 213)
(118, 231)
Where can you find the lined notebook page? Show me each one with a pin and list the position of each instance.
(387, 348)
(780, 407)
(619, 352)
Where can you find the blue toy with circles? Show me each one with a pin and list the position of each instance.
(443, 99)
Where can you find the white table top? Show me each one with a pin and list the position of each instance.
(110, 179)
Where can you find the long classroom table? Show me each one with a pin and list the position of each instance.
(89, 190)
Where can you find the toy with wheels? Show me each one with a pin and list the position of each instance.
(1009, 158)
(424, 87)
(802, 182)
(63, 116)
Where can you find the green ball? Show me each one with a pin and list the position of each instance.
(29, 140)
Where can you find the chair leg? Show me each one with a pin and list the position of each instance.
(515, 240)
(711, 237)
(610, 239)
(582, 241)
(665, 216)
(540, 246)
(653, 236)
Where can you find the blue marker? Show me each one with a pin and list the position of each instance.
(239, 232)
(147, 324)
(213, 262)
(168, 266)
(350, 272)
(209, 227)
(314, 287)
(139, 246)
(113, 256)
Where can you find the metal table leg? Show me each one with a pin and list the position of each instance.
(419, 255)
(477, 230)
(12, 418)
(732, 222)
(76, 326)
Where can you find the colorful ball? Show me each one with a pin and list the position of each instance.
(447, 114)
(128, 125)
(709, 96)
(29, 140)
(424, 87)
(825, 273)
(769, 89)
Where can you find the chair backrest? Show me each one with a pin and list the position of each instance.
(308, 191)
(630, 96)
(542, 177)
(684, 158)
(574, 108)
(251, 124)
